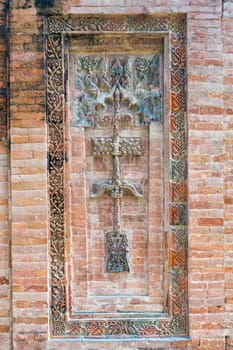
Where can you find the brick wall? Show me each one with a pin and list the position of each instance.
(4, 225)
(227, 56)
(28, 177)
(209, 87)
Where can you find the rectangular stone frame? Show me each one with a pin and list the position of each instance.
(174, 321)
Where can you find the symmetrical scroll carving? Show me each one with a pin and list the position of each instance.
(178, 214)
(177, 121)
(127, 146)
(90, 82)
(95, 79)
(117, 247)
(178, 169)
(178, 191)
(178, 145)
(148, 76)
(175, 323)
(119, 24)
(115, 188)
(124, 327)
(179, 237)
(116, 240)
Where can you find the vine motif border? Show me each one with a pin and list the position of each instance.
(174, 322)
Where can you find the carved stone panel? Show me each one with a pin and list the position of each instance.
(117, 176)
(95, 77)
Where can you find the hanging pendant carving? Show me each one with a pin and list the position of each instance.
(173, 322)
(117, 248)
(110, 91)
(116, 240)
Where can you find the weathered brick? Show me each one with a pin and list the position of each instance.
(209, 185)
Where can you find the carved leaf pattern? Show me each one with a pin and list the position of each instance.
(174, 325)
(127, 146)
(95, 78)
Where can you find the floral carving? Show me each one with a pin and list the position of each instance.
(117, 247)
(179, 236)
(127, 146)
(116, 240)
(178, 304)
(175, 324)
(95, 78)
(178, 191)
(178, 324)
(178, 145)
(177, 121)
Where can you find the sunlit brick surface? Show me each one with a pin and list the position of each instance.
(23, 157)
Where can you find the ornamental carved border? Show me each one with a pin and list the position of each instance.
(174, 321)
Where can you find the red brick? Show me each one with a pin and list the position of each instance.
(209, 185)
(210, 221)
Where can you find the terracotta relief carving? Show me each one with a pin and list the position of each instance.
(127, 146)
(117, 242)
(96, 78)
(173, 321)
(90, 82)
(110, 91)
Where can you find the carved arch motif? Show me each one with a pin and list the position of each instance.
(174, 320)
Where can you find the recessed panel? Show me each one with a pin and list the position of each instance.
(117, 176)
(116, 172)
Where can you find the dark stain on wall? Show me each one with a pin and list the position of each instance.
(43, 4)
